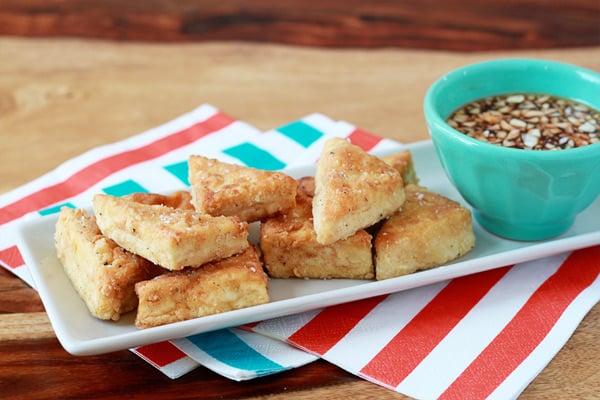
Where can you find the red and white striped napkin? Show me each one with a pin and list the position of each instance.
(481, 336)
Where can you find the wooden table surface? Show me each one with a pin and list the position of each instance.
(62, 96)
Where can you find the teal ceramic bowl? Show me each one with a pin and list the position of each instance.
(516, 193)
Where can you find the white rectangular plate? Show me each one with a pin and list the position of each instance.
(82, 334)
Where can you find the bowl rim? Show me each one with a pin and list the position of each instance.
(435, 120)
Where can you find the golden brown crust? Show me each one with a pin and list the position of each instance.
(230, 284)
(220, 188)
(403, 162)
(353, 190)
(102, 273)
(181, 199)
(428, 231)
(171, 238)
(290, 248)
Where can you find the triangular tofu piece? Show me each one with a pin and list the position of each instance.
(169, 237)
(230, 284)
(429, 230)
(403, 162)
(353, 190)
(220, 188)
(290, 249)
(103, 273)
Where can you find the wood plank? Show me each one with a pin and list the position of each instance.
(16, 296)
(466, 25)
(20, 326)
(44, 370)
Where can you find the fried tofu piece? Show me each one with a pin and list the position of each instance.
(220, 188)
(429, 230)
(181, 199)
(403, 162)
(290, 248)
(102, 273)
(230, 284)
(306, 185)
(171, 238)
(353, 190)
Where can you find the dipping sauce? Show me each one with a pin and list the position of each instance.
(528, 121)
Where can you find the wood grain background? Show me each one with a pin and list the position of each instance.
(60, 97)
(466, 25)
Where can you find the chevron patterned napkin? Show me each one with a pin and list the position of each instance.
(463, 338)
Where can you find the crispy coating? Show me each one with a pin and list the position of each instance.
(220, 188)
(290, 248)
(171, 238)
(353, 190)
(230, 284)
(102, 273)
(403, 162)
(429, 230)
(181, 199)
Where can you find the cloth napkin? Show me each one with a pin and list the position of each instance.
(485, 335)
